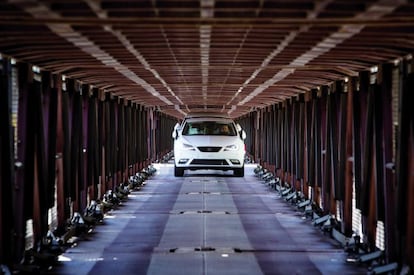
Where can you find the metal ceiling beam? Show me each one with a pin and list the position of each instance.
(235, 22)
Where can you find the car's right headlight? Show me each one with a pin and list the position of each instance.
(232, 147)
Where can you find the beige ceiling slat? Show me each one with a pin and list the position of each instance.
(229, 22)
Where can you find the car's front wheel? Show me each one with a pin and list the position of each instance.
(239, 172)
(178, 172)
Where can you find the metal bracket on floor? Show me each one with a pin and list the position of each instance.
(303, 204)
(320, 220)
(392, 267)
(291, 196)
(365, 258)
(341, 238)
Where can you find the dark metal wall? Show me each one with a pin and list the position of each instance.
(76, 142)
(344, 138)
(73, 142)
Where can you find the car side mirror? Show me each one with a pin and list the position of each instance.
(243, 135)
(175, 131)
(241, 131)
(238, 127)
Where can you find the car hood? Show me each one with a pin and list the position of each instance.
(210, 140)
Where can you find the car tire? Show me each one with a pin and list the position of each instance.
(239, 172)
(178, 172)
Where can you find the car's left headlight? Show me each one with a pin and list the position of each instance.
(232, 147)
(186, 146)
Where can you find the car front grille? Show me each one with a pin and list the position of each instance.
(209, 149)
(209, 162)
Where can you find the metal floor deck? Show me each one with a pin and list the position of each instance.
(205, 223)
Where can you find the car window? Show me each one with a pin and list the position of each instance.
(212, 128)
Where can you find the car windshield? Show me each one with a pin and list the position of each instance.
(210, 128)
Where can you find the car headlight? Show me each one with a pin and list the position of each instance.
(232, 147)
(188, 147)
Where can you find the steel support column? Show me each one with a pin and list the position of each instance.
(21, 198)
(6, 164)
(404, 172)
(387, 164)
(60, 139)
(66, 115)
(76, 149)
(349, 160)
(319, 147)
(38, 166)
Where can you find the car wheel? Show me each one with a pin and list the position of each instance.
(239, 172)
(178, 172)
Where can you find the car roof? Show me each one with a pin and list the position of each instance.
(208, 118)
(206, 115)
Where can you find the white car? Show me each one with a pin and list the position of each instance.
(208, 142)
